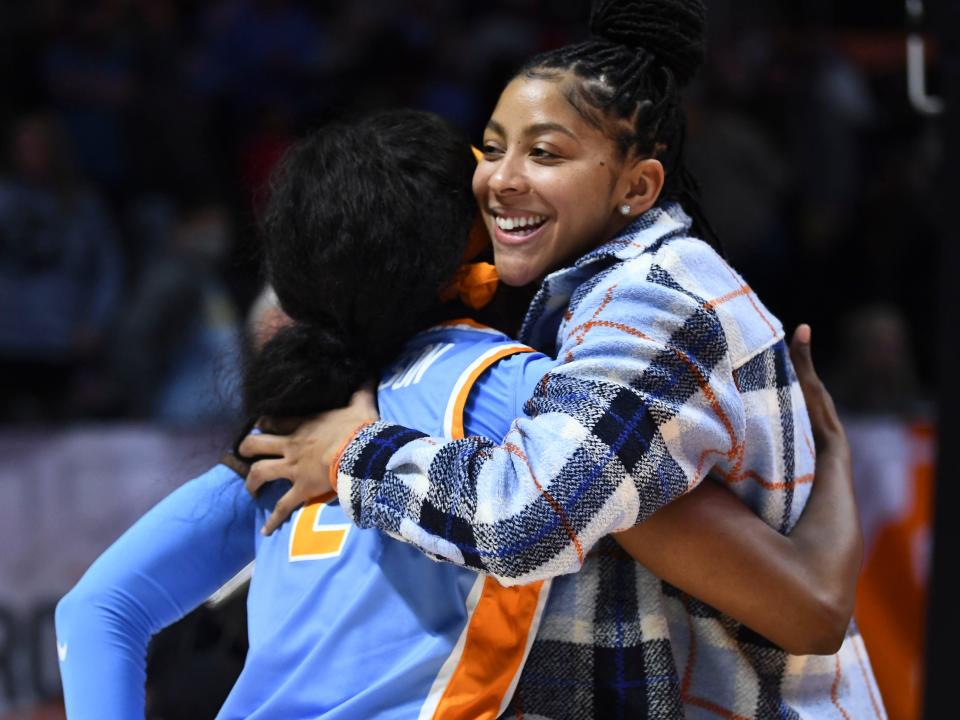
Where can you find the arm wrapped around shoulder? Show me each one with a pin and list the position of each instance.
(642, 407)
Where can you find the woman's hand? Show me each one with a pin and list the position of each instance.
(829, 437)
(798, 590)
(305, 455)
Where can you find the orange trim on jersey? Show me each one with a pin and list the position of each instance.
(502, 625)
(335, 463)
(497, 642)
(469, 322)
(457, 429)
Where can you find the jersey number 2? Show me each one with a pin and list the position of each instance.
(309, 540)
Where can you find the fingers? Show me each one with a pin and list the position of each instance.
(285, 506)
(264, 471)
(279, 425)
(824, 420)
(801, 356)
(263, 445)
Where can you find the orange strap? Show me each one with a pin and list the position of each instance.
(474, 283)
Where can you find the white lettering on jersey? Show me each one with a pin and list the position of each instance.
(62, 651)
(412, 372)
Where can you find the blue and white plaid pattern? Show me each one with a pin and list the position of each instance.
(671, 370)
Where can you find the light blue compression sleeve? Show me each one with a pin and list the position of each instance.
(164, 566)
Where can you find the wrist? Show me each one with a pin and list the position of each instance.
(333, 464)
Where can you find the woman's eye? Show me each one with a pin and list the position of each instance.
(488, 149)
(542, 153)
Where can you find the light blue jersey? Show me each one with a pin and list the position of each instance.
(343, 622)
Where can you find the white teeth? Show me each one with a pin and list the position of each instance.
(505, 223)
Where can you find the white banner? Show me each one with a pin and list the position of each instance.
(65, 495)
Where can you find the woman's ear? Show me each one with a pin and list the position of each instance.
(643, 183)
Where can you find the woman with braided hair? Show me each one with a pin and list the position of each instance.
(670, 370)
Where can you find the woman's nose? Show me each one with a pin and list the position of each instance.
(509, 177)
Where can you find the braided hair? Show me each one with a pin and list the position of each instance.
(631, 70)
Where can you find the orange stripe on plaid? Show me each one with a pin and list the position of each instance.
(685, 695)
(684, 357)
(557, 508)
(835, 689)
(731, 479)
(750, 297)
(711, 304)
(582, 329)
(736, 450)
(590, 325)
(714, 708)
(767, 485)
(699, 474)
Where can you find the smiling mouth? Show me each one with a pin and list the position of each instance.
(520, 226)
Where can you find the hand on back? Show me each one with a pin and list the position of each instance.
(305, 453)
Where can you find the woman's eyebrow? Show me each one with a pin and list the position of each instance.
(496, 127)
(546, 127)
(536, 129)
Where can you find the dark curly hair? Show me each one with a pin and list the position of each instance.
(639, 57)
(365, 223)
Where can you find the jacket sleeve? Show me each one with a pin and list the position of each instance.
(641, 407)
(164, 566)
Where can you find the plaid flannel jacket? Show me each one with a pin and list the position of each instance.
(671, 370)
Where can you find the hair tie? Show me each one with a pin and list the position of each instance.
(474, 284)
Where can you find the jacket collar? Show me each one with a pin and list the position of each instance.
(544, 315)
(654, 226)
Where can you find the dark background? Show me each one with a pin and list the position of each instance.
(137, 137)
(147, 128)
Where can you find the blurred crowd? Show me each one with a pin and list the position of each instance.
(138, 136)
(136, 142)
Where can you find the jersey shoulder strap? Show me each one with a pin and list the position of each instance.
(436, 373)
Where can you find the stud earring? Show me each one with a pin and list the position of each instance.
(624, 209)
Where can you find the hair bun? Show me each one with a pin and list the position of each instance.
(303, 368)
(671, 30)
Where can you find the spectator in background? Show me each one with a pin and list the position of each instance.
(90, 76)
(877, 374)
(60, 272)
(257, 53)
(178, 346)
(892, 444)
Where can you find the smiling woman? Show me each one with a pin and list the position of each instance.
(545, 166)
(670, 370)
